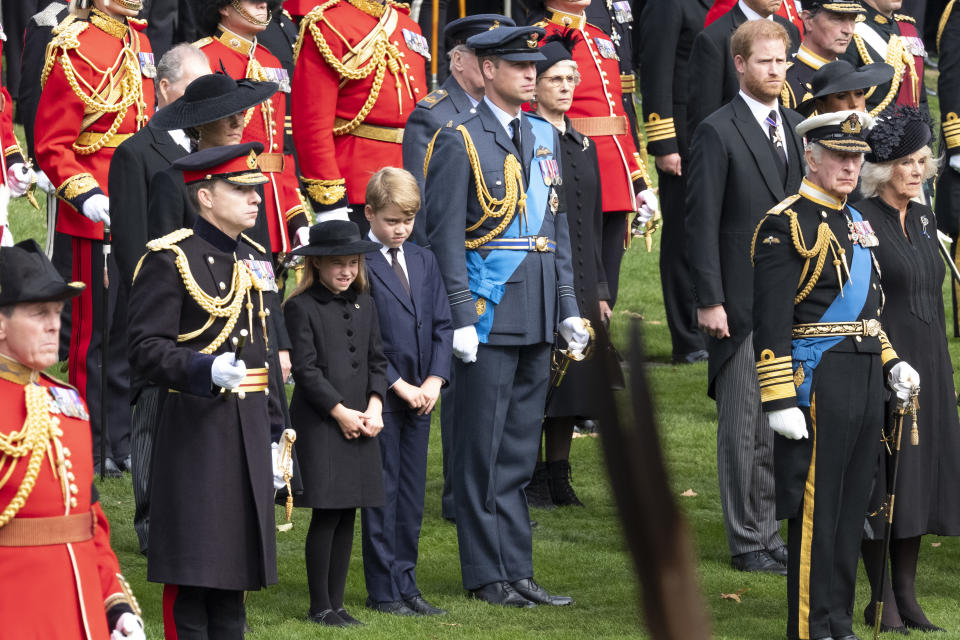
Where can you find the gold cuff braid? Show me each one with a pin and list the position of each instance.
(75, 186)
(326, 192)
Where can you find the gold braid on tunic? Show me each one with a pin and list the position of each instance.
(120, 85)
(897, 57)
(374, 55)
(40, 430)
(826, 243)
(228, 307)
(514, 198)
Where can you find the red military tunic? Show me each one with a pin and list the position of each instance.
(360, 71)
(79, 133)
(597, 111)
(57, 591)
(895, 41)
(12, 153)
(242, 58)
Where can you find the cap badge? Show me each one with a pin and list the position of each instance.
(252, 160)
(532, 42)
(851, 125)
(496, 23)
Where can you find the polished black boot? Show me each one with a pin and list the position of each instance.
(561, 491)
(538, 491)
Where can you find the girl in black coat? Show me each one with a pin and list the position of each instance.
(340, 371)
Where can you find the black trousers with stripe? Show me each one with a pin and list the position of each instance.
(844, 422)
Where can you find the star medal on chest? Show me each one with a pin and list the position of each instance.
(550, 171)
(924, 220)
(68, 403)
(416, 43)
(554, 201)
(607, 50)
(280, 76)
(862, 233)
(147, 66)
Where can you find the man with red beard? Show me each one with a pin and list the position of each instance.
(744, 159)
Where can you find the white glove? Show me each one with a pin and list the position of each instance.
(128, 627)
(19, 177)
(465, 343)
(646, 207)
(97, 208)
(6, 237)
(955, 162)
(789, 423)
(227, 372)
(302, 237)
(903, 380)
(575, 333)
(278, 471)
(43, 182)
(343, 213)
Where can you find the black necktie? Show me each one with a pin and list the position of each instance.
(516, 135)
(398, 269)
(777, 142)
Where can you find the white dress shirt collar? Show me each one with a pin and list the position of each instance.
(750, 13)
(385, 250)
(760, 112)
(180, 138)
(502, 116)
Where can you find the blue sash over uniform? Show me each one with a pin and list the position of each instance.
(487, 275)
(847, 306)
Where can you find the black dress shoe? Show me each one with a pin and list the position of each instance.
(693, 357)
(395, 607)
(327, 617)
(779, 554)
(349, 619)
(757, 561)
(535, 593)
(126, 464)
(111, 470)
(501, 593)
(919, 626)
(418, 605)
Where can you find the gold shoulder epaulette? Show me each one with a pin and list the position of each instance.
(786, 202)
(308, 25)
(432, 99)
(253, 243)
(287, 14)
(902, 17)
(943, 21)
(202, 42)
(66, 38)
(138, 23)
(167, 241)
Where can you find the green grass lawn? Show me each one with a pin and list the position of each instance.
(579, 552)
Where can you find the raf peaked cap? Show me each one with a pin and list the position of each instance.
(335, 238)
(897, 133)
(835, 6)
(26, 275)
(517, 44)
(839, 76)
(210, 98)
(234, 163)
(842, 131)
(458, 31)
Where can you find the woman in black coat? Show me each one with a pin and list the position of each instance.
(928, 480)
(340, 370)
(576, 398)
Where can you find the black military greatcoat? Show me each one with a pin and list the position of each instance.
(211, 499)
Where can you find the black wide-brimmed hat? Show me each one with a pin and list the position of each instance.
(517, 44)
(839, 76)
(26, 275)
(898, 132)
(234, 163)
(335, 238)
(461, 29)
(557, 47)
(210, 98)
(841, 131)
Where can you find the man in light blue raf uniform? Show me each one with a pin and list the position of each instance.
(497, 227)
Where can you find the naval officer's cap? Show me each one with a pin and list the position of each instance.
(517, 44)
(842, 131)
(233, 163)
(461, 29)
(834, 6)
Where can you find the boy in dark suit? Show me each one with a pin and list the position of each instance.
(417, 334)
